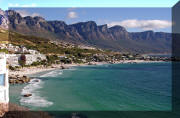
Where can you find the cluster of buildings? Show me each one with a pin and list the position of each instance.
(71, 45)
(15, 53)
(17, 49)
(13, 59)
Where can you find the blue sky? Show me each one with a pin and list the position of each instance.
(87, 3)
(133, 17)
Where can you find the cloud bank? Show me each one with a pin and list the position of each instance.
(72, 14)
(22, 5)
(142, 24)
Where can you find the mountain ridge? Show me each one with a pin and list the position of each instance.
(115, 38)
(3, 19)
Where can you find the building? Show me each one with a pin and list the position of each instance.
(33, 52)
(2, 46)
(4, 84)
(30, 58)
(13, 59)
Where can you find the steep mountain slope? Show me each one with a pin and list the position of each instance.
(3, 20)
(89, 33)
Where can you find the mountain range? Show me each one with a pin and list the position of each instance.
(3, 19)
(115, 38)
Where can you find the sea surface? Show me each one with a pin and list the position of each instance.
(109, 87)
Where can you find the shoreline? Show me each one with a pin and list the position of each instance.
(37, 69)
(31, 89)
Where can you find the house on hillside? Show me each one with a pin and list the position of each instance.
(2, 46)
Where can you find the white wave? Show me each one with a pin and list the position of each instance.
(53, 73)
(35, 100)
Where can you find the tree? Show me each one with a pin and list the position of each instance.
(22, 60)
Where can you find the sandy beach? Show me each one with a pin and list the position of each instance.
(37, 69)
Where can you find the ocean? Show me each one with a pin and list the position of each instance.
(109, 87)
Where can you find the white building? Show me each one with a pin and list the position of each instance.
(2, 46)
(4, 82)
(13, 59)
(33, 52)
(30, 58)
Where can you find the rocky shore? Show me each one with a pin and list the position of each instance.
(16, 79)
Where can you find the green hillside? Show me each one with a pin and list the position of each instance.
(46, 46)
(3, 35)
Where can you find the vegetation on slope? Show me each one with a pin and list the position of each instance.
(46, 46)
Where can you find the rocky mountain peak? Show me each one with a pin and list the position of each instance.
(36, 19)
(2, 12)
(118, 28)
(103, 28)
(40, 19)
(86, 26)
(12, 13)
(3, 20)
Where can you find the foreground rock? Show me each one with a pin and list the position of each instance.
(16, 79)
(3, 109)
(16, 111)
(27, 95)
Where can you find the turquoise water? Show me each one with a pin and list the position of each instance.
(125, 87)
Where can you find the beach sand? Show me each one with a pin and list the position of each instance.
(37, 69)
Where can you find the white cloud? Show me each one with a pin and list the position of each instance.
(72, 14)
(13, 5)
(22, 5)
(142, 24)
(24, 13)
(30, 5)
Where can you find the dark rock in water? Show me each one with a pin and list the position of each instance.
(35, 80)
(62, 67)
(24, 76)
(27, 95)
